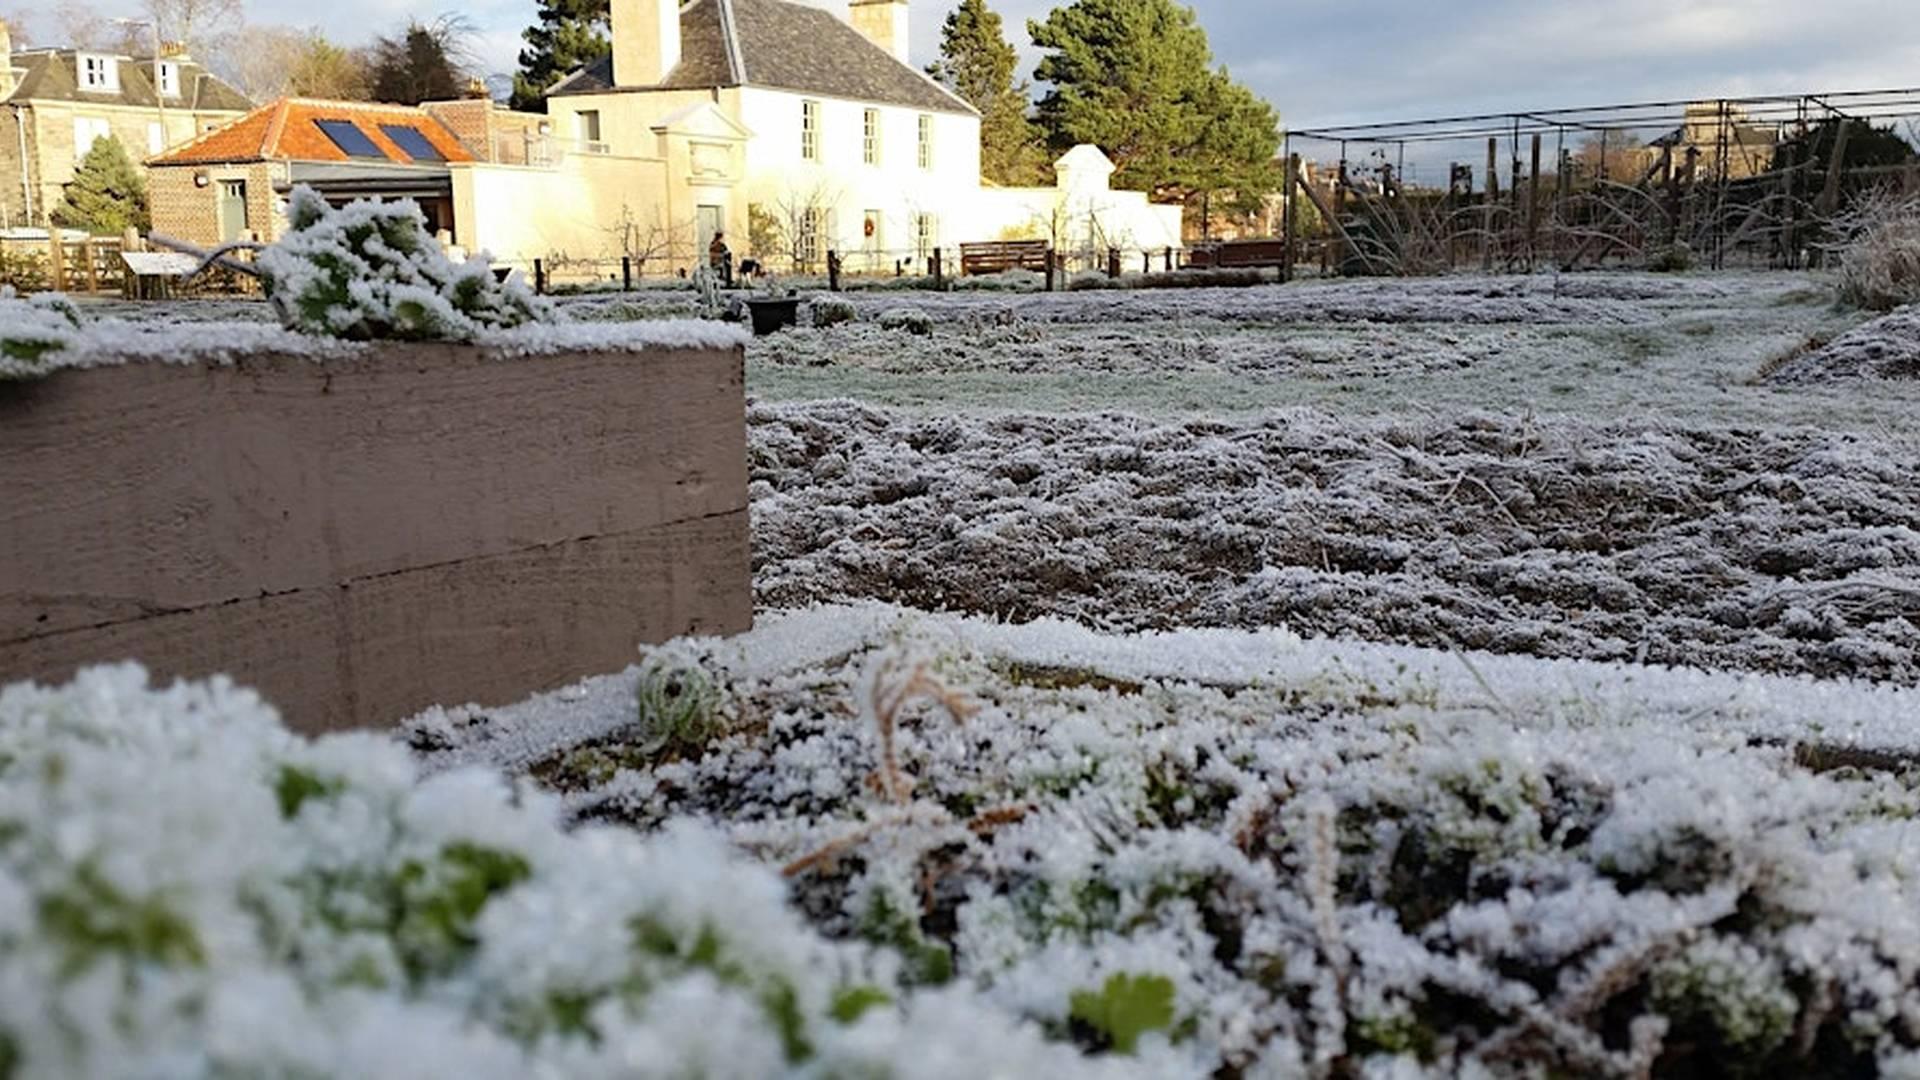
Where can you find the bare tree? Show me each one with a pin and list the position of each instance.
(641, 241)
(268, 62)
(806, 218)
(17, 28)
(84, 27)
(204, 27)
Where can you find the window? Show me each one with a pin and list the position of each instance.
(587, 130)
(351, 141)
(870, 140)
(87, 129)
(810, 130)
(169, 79)
(232, 209)
(926, 141)
(926, 233)
(99, 73)
(156, 137)
(412, 142)
(813, 222)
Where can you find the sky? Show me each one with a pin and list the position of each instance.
(1322, 64)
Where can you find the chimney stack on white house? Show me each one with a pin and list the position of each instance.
(883, 22)
(646, 40)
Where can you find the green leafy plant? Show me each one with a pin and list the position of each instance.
(1126, 1008)
(680, 705)
(371, 270)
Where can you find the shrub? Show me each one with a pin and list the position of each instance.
(912, 320)
(31, 329)
(371, 270)
(23, 270)
(1674, 258)
(680, 706)
(1879, 253)
(832, 312)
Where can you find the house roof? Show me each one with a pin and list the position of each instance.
(780, 46)
(289, 130)
(53, 75)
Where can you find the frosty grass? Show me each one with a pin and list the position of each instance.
(865, 840)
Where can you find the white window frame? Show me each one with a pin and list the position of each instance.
(86, 131)
(870, 137)
(926, 142)
(809, 130)
(587, 126)
(97, 73)
(169, 79)
(926, 235)
(813, 223)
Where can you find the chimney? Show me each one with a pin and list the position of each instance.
(6, 61)
(646, 40)
(883, 22)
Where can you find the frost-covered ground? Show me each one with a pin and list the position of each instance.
(1335, 859)
(1765, 550)
(1346, 763)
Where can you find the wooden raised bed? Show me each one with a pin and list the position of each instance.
(363, 537)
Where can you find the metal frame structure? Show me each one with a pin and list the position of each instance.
(1686, 180)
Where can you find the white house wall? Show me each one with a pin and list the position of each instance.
(567, 212)
(897, 187)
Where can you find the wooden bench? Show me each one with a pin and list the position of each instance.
(1003, 255)
(1238, 254)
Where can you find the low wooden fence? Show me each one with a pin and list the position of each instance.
(361, 538)
(68, 264)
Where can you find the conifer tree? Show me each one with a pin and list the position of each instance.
(107, 193)
(1136, 78)
(569, 35)
(977, 64)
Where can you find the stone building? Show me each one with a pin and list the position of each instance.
(55, 102)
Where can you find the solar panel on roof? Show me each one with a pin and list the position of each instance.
(411, 140)
(350, 139)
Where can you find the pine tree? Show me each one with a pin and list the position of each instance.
(418, 65)
(569, 35)
(1136, 78)
(978, 64)
(107, 193)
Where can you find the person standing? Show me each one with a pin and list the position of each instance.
(720, 259)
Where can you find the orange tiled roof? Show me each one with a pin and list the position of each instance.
(286, 131)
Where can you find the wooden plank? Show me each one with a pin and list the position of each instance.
(152, 488)
(487, 631)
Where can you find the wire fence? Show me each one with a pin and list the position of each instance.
(1754, 181)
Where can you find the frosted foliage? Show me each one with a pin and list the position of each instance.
(1252, 854)
(1784, 550)
(372, 270)
(186, 890)
(1879, 248)
(31, 329)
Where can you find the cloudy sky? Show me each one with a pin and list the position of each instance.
(1322, 63)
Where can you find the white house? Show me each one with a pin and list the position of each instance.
(801, 121)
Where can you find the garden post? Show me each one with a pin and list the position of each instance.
(626, 273)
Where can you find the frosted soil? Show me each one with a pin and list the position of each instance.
(1787, 551)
